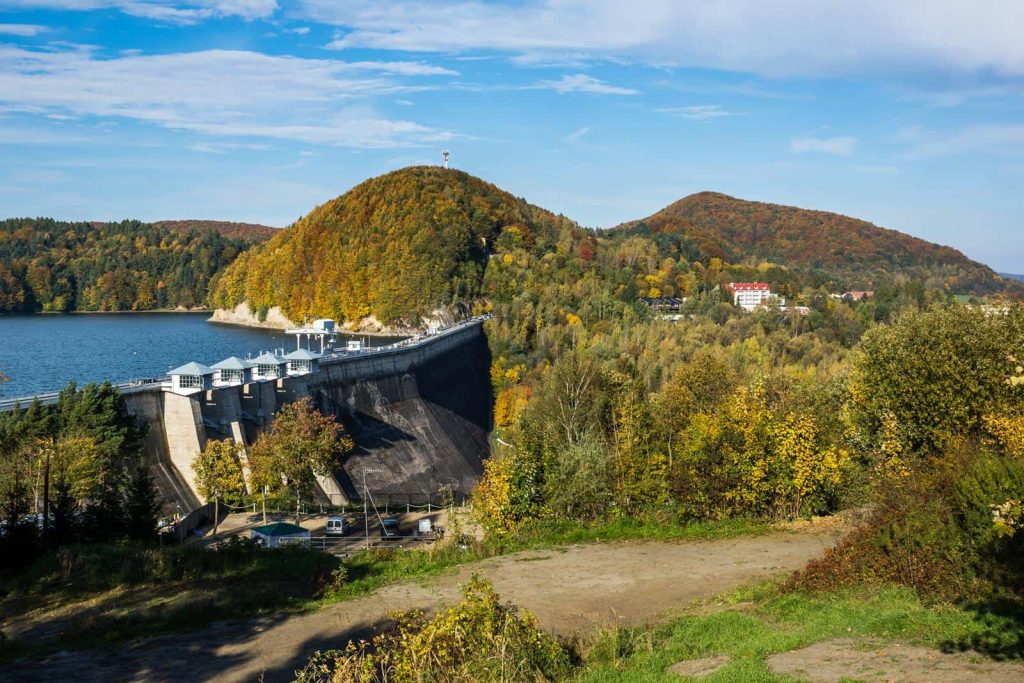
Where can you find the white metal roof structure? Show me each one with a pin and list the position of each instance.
(192, 368)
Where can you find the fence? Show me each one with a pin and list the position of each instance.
(407, 502)
(193, 520)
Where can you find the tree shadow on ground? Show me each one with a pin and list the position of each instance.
(224, 651)
(1002, 634)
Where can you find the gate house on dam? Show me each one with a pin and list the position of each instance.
(419, 412)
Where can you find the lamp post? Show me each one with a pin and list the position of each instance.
(366, 512)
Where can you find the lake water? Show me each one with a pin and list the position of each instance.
(42, 353)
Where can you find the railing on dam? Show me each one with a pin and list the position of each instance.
(334, 356)
(50, 399)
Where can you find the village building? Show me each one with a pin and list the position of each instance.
(752, 295)
(663, 303)
(279, 534)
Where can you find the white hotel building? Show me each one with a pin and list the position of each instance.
(751, 295)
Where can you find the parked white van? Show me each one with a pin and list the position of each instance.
(335, 526)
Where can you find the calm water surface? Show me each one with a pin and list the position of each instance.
(42, 353)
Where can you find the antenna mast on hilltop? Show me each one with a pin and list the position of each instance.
(444, 155)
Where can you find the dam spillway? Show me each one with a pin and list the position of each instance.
(419, 414)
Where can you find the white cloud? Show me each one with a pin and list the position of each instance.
(783, 37)
(23, 30)
(878, 169)
(403, 68)
(225, 147)
(576, 135)
(840, 146)
(550, 59)
(216, 92)
(582, 83)
(980, 138)
(182, 12)
(698, 112)
(299, 31)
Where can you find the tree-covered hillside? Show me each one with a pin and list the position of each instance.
(48, 265)
(408, 242)
(246, 232)
(838, 250)
(396, 247)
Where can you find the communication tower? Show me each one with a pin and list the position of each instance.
(444, 155)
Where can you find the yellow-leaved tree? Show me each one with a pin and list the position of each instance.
(218, 473)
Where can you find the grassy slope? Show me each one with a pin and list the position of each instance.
(753, 624)
(111, 600)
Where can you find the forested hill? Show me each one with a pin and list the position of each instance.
(246, 232)
(48, 265)
(396, 247)
(843, 252)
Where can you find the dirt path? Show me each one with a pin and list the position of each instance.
(571, 590)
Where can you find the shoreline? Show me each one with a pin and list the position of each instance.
(242, 316)
(340, 331)
(161, 311)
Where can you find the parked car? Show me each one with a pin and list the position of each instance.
(336, 526)
(389, 528)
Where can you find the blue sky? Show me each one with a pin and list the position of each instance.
(909, 114)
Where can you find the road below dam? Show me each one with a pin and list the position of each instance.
(419, 414)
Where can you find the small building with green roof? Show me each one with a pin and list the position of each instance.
(279, 533)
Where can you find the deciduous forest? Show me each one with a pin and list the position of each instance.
(906, 406)
(56, 266)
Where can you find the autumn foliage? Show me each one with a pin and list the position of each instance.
(129, 266)
(396, 247)
(479, 639)
(852, 252)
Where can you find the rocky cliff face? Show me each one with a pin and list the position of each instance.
(241, 315)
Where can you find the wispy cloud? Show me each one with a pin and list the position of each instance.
(219, 93)
(225, 147)
(877, 169)
(181, 12)
(582, 83)
(22, 30)
(698, 112)
(576, 135)
(982, 138)
(840, 146)
(402, 68)
(956, 96)
(786, 37)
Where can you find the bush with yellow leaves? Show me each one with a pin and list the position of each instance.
(478, 640)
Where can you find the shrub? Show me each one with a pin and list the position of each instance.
(479, 639)
(932, 530)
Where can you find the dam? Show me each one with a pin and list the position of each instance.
(419, 412)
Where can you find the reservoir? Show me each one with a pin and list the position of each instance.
(42, 353)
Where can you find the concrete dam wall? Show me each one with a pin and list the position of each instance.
(419, 416)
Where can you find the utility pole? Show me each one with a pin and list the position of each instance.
(46, 498)
(366, 511)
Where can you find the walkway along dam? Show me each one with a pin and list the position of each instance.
(419, 412)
